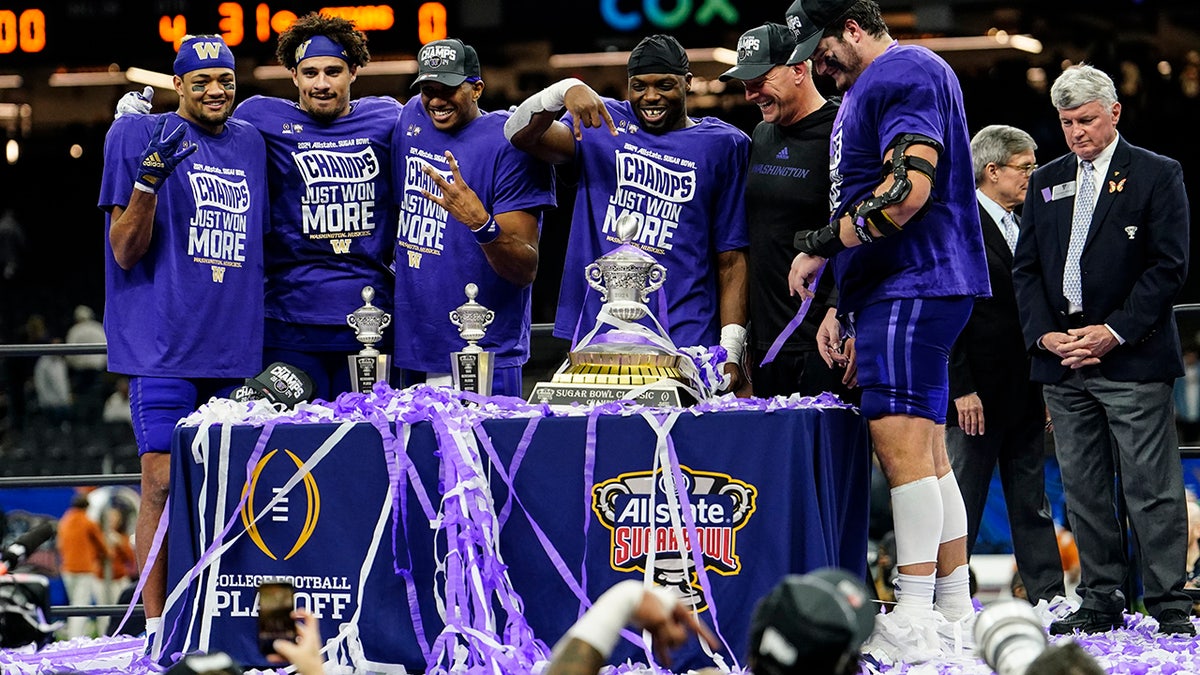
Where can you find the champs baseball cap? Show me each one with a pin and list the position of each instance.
(809, 623)
(807, 19)
(759, 50)
(448, 62)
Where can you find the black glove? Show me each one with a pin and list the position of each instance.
(823, 241)
(162, 155)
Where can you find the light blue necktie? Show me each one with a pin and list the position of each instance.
(1085, 202)
(1010, 230)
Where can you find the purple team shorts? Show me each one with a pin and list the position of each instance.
(158, 403)
(903, 351)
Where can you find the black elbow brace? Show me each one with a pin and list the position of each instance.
(824, 241)
(869, 212)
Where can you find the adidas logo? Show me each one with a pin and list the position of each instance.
(153, 161)
(783, 154)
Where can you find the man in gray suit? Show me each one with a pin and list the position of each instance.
(996, 413)
(1102, 254)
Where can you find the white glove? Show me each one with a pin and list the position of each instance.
(135, 103)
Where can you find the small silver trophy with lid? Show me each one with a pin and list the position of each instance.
(472, 368)
(368, 366)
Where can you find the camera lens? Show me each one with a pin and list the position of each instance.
(1010, 636)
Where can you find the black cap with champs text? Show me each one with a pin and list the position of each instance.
(448, 62)
(808, 19)
(759, 50)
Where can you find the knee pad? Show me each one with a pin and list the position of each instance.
(917, 512)
(954, 513)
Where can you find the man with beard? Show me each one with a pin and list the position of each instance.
(908, 257)
(470, 210)
(183, 315)
(681, 179)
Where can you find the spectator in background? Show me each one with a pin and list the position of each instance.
(116, 406)
(123, 567)
(53, 388)
(1187, 397)
(996, 415)
(83, 551)
(87, 370)
(1193, 549)
(20, 370)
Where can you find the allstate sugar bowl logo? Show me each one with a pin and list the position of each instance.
(720, 505)
(287, 521)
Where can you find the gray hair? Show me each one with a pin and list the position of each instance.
(996, 144)
(1082, 84)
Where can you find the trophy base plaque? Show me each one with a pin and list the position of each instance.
(366, 370)
(472, 371)
(663, 393)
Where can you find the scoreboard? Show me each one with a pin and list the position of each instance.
(83, 33)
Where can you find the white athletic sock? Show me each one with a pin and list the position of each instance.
(953, 593)
(152, 624)
(914, 591)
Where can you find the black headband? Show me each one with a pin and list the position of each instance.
(658, 54)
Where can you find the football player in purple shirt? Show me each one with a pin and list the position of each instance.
(909, 260)
(332, 222)
(332, 218)
(470, 211)
(186, 198)
(681, 179)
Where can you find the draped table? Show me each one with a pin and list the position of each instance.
(426, 532)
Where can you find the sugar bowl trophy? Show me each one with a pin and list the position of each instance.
(472, 368)
(368, 366)
(623, 357)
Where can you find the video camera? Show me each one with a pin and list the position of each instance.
(25, 598)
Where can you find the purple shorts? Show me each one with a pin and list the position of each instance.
(903, 351)
(158, 403)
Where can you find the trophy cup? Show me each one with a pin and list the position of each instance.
(368, 366)
(471, 369)
(630, 360)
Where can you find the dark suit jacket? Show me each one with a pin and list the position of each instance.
(1134, 262)
(989, 358)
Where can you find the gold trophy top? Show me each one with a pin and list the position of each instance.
(368, 322)
(472, 319)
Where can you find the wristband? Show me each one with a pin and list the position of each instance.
(601, 625)
(488, 233)
(733, 339)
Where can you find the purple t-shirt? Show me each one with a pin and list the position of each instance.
(907, 89)
(437, 256)
(193, 305)
(686, 188)
(331, 208)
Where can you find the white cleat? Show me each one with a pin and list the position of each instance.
(906, 636)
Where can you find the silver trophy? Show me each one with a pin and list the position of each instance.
(368, 366)
(472, 368)
(623, 353)
(626, 276)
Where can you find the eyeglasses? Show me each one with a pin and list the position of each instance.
(1027, 168)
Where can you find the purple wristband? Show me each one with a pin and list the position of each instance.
(488, 233)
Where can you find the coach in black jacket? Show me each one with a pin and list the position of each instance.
(1103, 252)
(996, 414)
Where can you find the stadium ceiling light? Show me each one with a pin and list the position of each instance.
(11, 81)
(88, 79)
(153, 78)
(997, 40)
